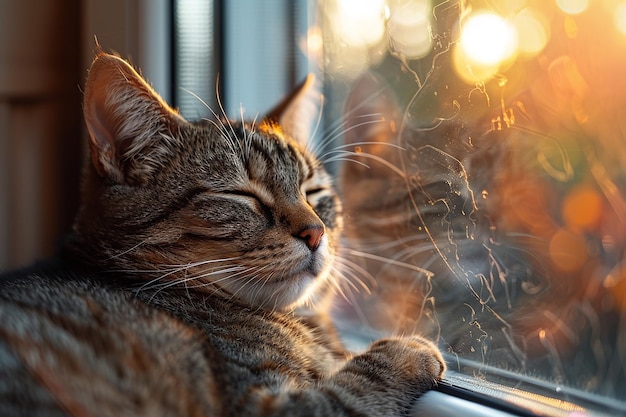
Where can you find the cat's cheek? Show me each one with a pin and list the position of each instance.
(327, 208)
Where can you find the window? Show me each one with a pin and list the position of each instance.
(480, 150)
(225, 44)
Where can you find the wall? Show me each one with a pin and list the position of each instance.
(40, 125)
(46, 47)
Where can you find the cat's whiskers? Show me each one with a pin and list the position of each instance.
(340, 153)
(425, 272)
(355, 275)
(239, 273)
(346, 159)
(184, 282)
(311, 143)
(127, 251)
(347, 293)
(221, 127)
(344, 290)
(329, 136)
(403, 250)
(259, 287)
(338, 127)
(246, 132)
(342, 156)
(168, 270)
(199, 283)
(253, 124)
(341, 148)
(338, 131)
(225, 129)
(232, 139)
(377, 245)
(250, 278)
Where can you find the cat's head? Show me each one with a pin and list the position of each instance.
(241, 207)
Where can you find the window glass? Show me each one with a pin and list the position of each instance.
(483, 171)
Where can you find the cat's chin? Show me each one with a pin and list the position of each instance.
(295, 289)
(312, 283)
(299, 289)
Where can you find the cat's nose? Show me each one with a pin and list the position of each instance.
(312, 236)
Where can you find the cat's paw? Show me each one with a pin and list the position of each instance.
(386, 379)
(414, 358)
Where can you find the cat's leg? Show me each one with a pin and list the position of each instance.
(383, 381)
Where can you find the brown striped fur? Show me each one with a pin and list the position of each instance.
(175, 294)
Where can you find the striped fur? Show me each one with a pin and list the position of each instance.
(175, 294)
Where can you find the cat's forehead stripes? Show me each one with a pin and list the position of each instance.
(279, 153)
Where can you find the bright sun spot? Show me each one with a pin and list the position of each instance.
(360, 22)
(488, 39)
(620, 17)
(533, 31)
(573, 6)
(409, 28)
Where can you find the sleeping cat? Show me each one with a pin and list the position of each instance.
(175, 294)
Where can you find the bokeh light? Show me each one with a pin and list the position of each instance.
(315, 42)
(582, 208)
(360, 22)
(570, 27)
(533, 31)
(487, 38)
(568, 250)
(409, 27)
(486, 41)
(619, 17)
(573, 6)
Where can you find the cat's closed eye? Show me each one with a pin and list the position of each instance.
(254, 200)
(314, 194)
(311, 192)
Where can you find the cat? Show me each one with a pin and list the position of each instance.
(175, 293)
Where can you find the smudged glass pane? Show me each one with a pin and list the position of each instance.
(483, 171)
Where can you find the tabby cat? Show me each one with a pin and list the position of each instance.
(175, 294)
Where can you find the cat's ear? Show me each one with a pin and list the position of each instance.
(129, 124)
(297, 113)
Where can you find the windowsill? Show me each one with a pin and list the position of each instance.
(439, 404)
(461, 395)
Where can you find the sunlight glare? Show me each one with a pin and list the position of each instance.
(619, 17)
(533, 31)
(488, 39)
(314, 42)
(573, 6)
(409, 28)
(360, 22)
